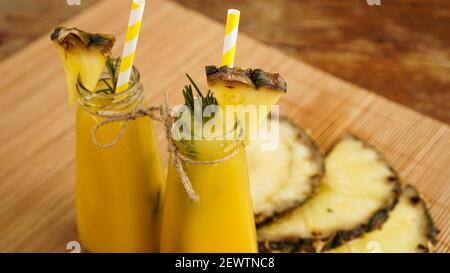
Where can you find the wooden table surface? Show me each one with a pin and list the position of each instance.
(37, 158)
(400, 49)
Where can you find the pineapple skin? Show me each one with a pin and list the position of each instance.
(256, 78)
(320, 242)
(67, 38)
(235, 86)
(409, 229)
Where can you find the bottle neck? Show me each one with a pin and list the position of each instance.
(97, 100)
(204, 145)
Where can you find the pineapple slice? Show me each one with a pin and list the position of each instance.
(83, 54)
(234, 86)
(409, 229)
(250, 87)
(288, 181)
(355, 196)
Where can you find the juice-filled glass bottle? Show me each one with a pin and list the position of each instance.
(118, 189)
(222, 219)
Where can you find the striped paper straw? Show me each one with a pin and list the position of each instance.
(231, 34)
(131, 40)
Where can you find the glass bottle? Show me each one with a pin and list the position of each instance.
(222, 219)
(118, 189)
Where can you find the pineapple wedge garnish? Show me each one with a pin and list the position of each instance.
(249, 87)
(83, 54)
(409, 229)
(235, 86)
(357, 193)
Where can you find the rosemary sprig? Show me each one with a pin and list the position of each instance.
(112, 67)
(195, 86)
(189, 99)
(107, 84)
(105, 91)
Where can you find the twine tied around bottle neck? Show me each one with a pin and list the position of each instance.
(166, 117)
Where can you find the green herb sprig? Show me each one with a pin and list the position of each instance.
(189, 99)
(113, 67)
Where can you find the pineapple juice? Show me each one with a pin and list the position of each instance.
(222, 220)
(119, 189)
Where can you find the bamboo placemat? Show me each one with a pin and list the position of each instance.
(37, 171)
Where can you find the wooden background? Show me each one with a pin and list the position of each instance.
(400, 49)
(37, 153)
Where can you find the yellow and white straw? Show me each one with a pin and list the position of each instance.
(131, 40)
(231, 35)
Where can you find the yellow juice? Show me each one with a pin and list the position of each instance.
(118, 189)
(222, 220)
